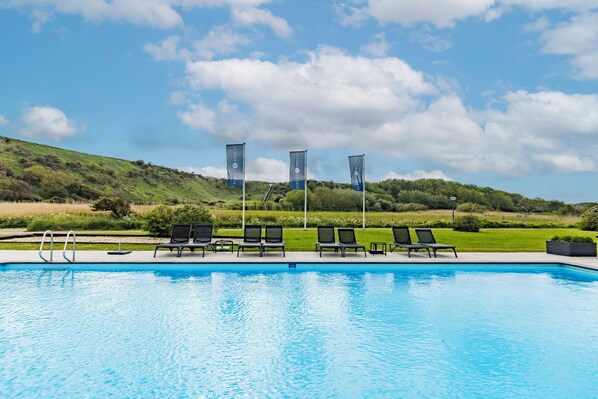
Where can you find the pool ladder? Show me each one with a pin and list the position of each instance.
(66, 241)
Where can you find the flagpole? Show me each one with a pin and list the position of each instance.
(244, 168)
(363, 177)
(305, 195)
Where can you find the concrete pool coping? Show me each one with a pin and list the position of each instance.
(12, 256)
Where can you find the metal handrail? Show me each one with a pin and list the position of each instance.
(41, 246)
(66, 241)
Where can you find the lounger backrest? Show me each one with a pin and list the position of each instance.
(401, 235)
(326, 235)
(203, 233)
(425, 236)
(273, 234)
(180, 233)
(346, 236)
(253, 234)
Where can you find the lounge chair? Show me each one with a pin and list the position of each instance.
(346, 237)
(425, 237)
(202, 238)
(327, 239)
(403, 240)
(274, 239)
(252, 238)
(179, 237)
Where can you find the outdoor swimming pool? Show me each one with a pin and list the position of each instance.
(382, 331)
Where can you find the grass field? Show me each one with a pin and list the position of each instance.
(34, 209)
(491, 240)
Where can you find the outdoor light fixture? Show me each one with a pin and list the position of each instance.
(454, 200)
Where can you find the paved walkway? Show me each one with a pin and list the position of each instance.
(301, 257)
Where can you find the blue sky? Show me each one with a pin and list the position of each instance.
(499, 93)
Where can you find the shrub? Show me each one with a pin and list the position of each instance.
(471, 207)
(589, 219)
(468, 223)
(14, 222)
(572, 239)
(79, 222)
(192, 214)
(117, 206)
(159, 220)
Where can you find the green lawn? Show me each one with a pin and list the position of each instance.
(491, 240)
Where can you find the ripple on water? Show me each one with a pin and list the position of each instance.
(297, 335)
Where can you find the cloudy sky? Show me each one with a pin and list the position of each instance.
(501, 93)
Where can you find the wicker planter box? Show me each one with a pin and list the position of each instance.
(571, 248)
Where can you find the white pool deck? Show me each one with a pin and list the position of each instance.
(300, 257)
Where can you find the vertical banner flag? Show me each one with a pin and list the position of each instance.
(297, 170)
(356, 164)
(235, 164)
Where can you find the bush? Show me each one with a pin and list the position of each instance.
(14, 222)
(118, 207)
(589, 219)
(80, 222)
(572, 239)
(159, 220)
(468, 223)
(471, 207)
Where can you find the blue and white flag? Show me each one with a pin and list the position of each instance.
(235, 164)
(356, 163)
(297, 170)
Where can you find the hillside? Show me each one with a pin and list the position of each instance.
(36, 172)
(30, 171)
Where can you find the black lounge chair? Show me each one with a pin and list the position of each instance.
(274, 239)
(346, 237)
(202, 238)
(327, 239)
(179, 237)
(425, 237)
(252, 238)
(403, 240)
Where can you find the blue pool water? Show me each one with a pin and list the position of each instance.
(267, 332)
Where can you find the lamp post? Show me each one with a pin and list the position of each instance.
(453, 199)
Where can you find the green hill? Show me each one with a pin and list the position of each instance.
(30, 171)
(36, 172)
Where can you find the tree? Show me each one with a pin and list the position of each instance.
(117, 206)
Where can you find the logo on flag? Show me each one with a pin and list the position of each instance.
(356, 163)
(297, 170)
(235, 164)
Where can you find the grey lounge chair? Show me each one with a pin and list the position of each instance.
(202, 238)
(179, 237)
(252, 238)
(274, 239)
(327, 239)
(425, 237)
(346, 237)
(403, 240)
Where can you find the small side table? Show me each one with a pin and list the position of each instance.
(378, 248)
(224, 246)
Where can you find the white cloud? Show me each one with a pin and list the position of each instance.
(334, 100)
(3, 121)
(248, 16)
(445, 13)
(416, 175)
(161, 14)
(211, 171)
(576, 38)
(48, 122)
(378, 47)
(259, 169)
(166, 50)
(219, 41)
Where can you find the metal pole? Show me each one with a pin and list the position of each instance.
(305, 195)
(244, 169)
(453, 215)
(363, 181)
